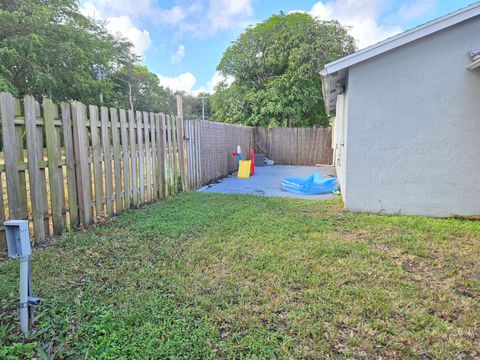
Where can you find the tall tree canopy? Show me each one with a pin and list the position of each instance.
(275, 67)
(47, 48)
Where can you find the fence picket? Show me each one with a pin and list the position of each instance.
(54, 178)
(15, 185)
(107, 160)
(133, 154)
(153, 134)
(191, 136)
(36, 191)
(116, 160)
(198, 153)
(148, 156)
(160, 127)
(181, 152)
(3, 243)
(70, 162)
(163, 124)
(188, 142)
(141, 159)
(97, 165)
(173, 123)
(126, 159)
(170, 176)
(82, 161)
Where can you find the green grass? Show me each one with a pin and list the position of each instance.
(217, 276)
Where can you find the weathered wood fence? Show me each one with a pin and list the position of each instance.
(67, 166)
(210, 146)
(295, 146)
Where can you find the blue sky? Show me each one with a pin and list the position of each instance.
(183, 41)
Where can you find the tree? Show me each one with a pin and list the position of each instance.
(139, 88)
(192, 106)
(276, 70)
(47, 48)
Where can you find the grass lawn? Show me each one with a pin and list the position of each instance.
(207, 276)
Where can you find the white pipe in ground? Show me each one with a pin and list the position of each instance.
(24, 265)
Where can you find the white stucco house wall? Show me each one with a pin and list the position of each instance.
(407, 124)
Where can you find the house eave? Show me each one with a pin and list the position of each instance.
(405, 38)
(338, 70)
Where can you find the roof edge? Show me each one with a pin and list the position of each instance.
(403, 38)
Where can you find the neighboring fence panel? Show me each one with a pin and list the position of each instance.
(210, 146)
(82, 163)
(217, 142)
(295, 146)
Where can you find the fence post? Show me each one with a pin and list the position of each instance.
(181, 141)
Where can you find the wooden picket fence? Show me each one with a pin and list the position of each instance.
(295, 146)
(68, 166)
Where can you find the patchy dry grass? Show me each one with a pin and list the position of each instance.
(206, 276)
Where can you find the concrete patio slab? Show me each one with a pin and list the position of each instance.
(267, 182)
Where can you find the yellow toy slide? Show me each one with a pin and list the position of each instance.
(244, 169)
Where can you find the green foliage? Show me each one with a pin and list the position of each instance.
(143, 87)
(276, 70)
(47, 48)
(192, 106)
(201, 276)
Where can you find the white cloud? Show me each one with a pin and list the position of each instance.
(216, 79)
(361, 15)
(171, 16)
(200, 90)
(225, 14)
(90, 10)
(216, 15)
(187, 81)
(415, 9)
(109, 8)
(200, 17)
(183, 82)
(124, 26)
(179, 55)
(119, 25)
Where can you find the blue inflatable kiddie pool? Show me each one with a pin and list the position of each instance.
(313, 184)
